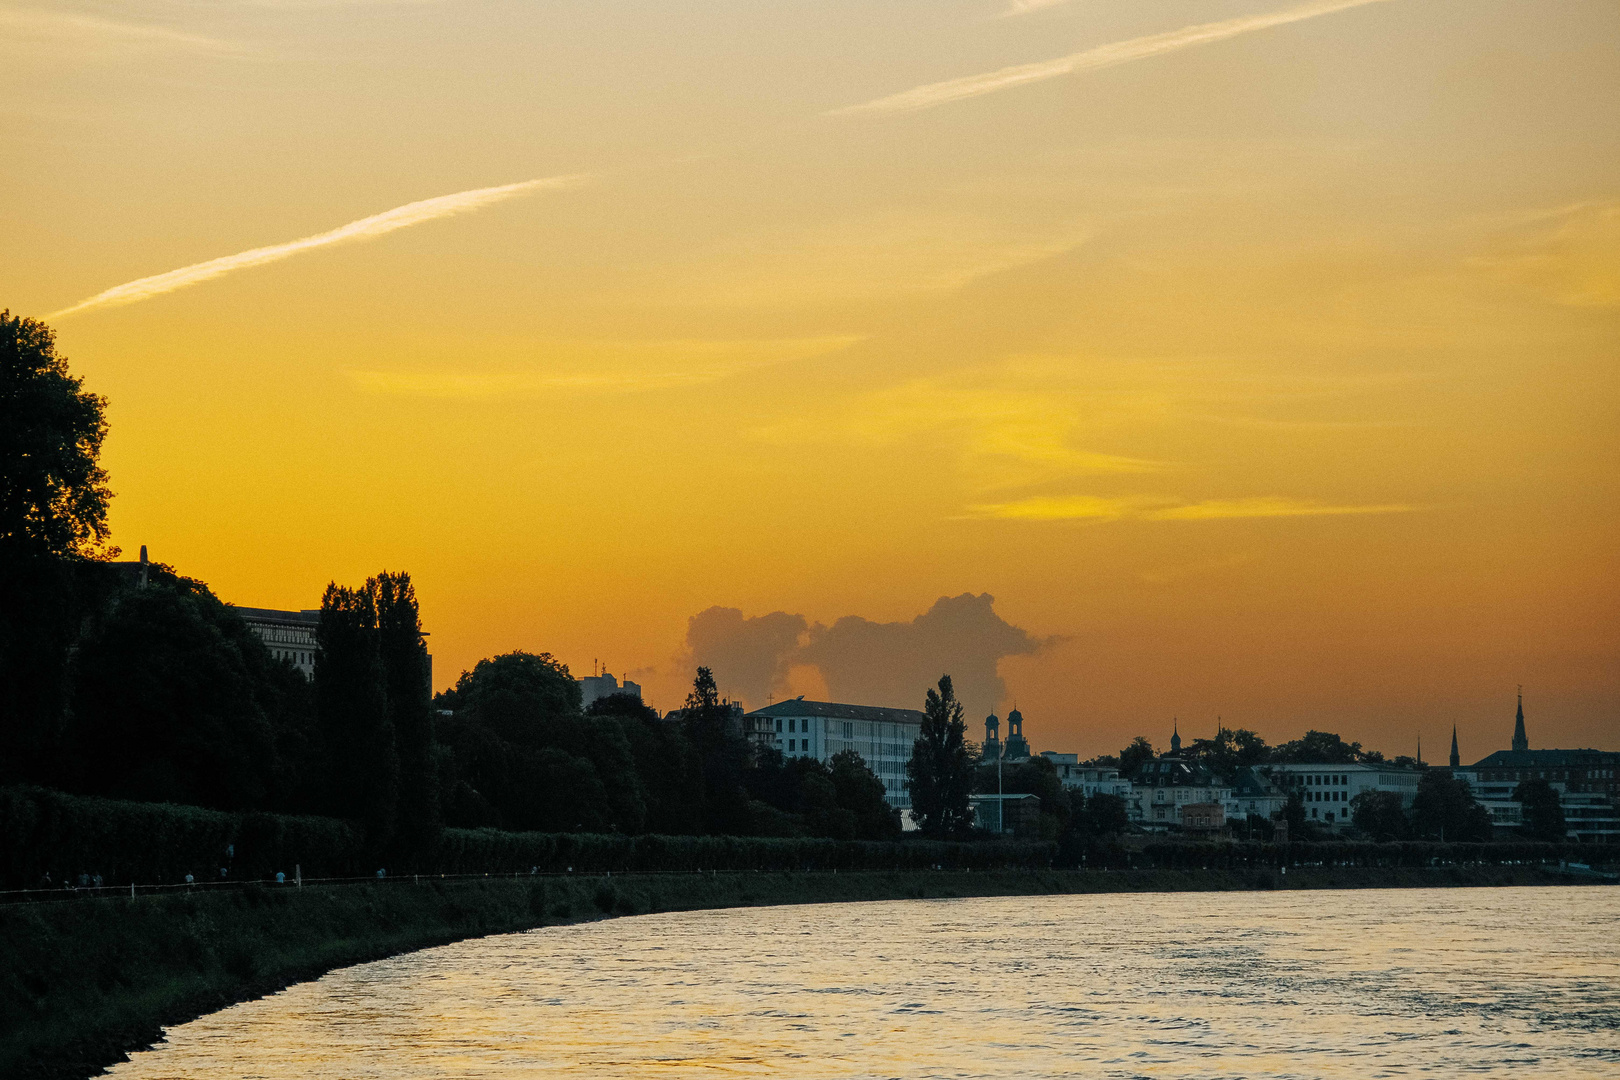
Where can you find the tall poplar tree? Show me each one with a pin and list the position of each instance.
(941, 766)
(407, 678)
(351, 699)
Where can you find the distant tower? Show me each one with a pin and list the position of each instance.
(1175, 738)
(1520, 742)
(1456, 758)
(1017, 745)
(992, 737)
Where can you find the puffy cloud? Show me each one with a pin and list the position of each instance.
(861, 661)
(749, 657)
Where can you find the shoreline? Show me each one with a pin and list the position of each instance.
(86, 982)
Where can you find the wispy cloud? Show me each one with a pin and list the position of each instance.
(368, 228)
(29, 28)
(1119, 52)
(1024, 7)
(601, 367)
(1156, 508)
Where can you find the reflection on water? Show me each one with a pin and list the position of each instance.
(1319, 984)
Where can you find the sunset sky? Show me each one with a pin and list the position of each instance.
(1258, 358)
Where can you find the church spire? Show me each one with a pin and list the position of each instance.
(1520, 742)
(1175, 737)
(1456, 758)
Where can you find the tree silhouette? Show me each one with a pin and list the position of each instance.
(1543, 812)
(941, 769)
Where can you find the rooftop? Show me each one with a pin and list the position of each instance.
(306, 617)
(834, 711)
(1542, 759)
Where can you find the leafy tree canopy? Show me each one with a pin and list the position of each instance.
(1230, 750)
(1134, 756)
(1317, 748)
(53, 493)
(941, 765)
(1543, 811)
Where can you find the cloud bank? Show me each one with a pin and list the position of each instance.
(1118, 52)
(368, 228)
(864, 662)
(1151, 508)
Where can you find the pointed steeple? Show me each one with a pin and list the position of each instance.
(1520, 742)
(1456, 758)
(1175, 737)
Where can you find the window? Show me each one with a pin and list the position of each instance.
(779, 725)
(849, 730)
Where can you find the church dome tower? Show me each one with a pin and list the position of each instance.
(992, 738)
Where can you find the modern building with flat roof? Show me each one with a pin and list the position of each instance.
(819, 729)
(289, 635)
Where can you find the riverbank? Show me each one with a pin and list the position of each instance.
(83, 982)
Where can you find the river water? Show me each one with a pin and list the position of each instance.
(1410, 982)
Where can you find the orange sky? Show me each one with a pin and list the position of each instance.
(1266, 371)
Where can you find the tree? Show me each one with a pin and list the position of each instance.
(1134, 756)
(671, 775)
(1543, 812)
(351, 696)
(1294, 813)
(1379, 814)
(940, 770)
(713, 729)
(858, 790)
(1318, 748)
(408, 685)
(53, 515)
(53, 492)
(1229, 751)
(1444, 809)
(174, 700)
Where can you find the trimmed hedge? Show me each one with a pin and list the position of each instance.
(158, 843)
(1406, 853)
(464, 851)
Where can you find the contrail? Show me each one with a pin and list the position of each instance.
(1119, 52)
(400, 217)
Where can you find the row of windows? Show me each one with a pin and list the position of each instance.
(1317, 779)
(1549, 774)
(1327, 796)
(295, 657)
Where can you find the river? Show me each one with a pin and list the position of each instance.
(1369, 983)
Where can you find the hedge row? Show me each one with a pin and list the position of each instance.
(490, 851)
(148, 843)
(1185, 854)
(47, 832)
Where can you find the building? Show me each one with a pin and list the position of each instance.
(595, 687)
(1587, 782)
(289, 635)
(1165, 788)
(1203, 817)
(991, 750)
(819, 729)
(1329, 789)
(1017, 746)
(1005, 813)
(1254, 795)
(1089, 780)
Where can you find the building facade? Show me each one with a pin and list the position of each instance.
(289, 635)
(1587, 782)
(1329, 789)
(1089, 780)
(595, 687)
(819, 729)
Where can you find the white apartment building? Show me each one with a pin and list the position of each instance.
(289, 635)
(595, 687)
(1089, 780)
(1329, 790)
(1165, 786)
(819, 729)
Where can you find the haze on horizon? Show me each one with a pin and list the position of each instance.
(1264, 372)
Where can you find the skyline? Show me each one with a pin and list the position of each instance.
(1270, 378)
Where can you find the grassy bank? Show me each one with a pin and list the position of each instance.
(84, 981)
